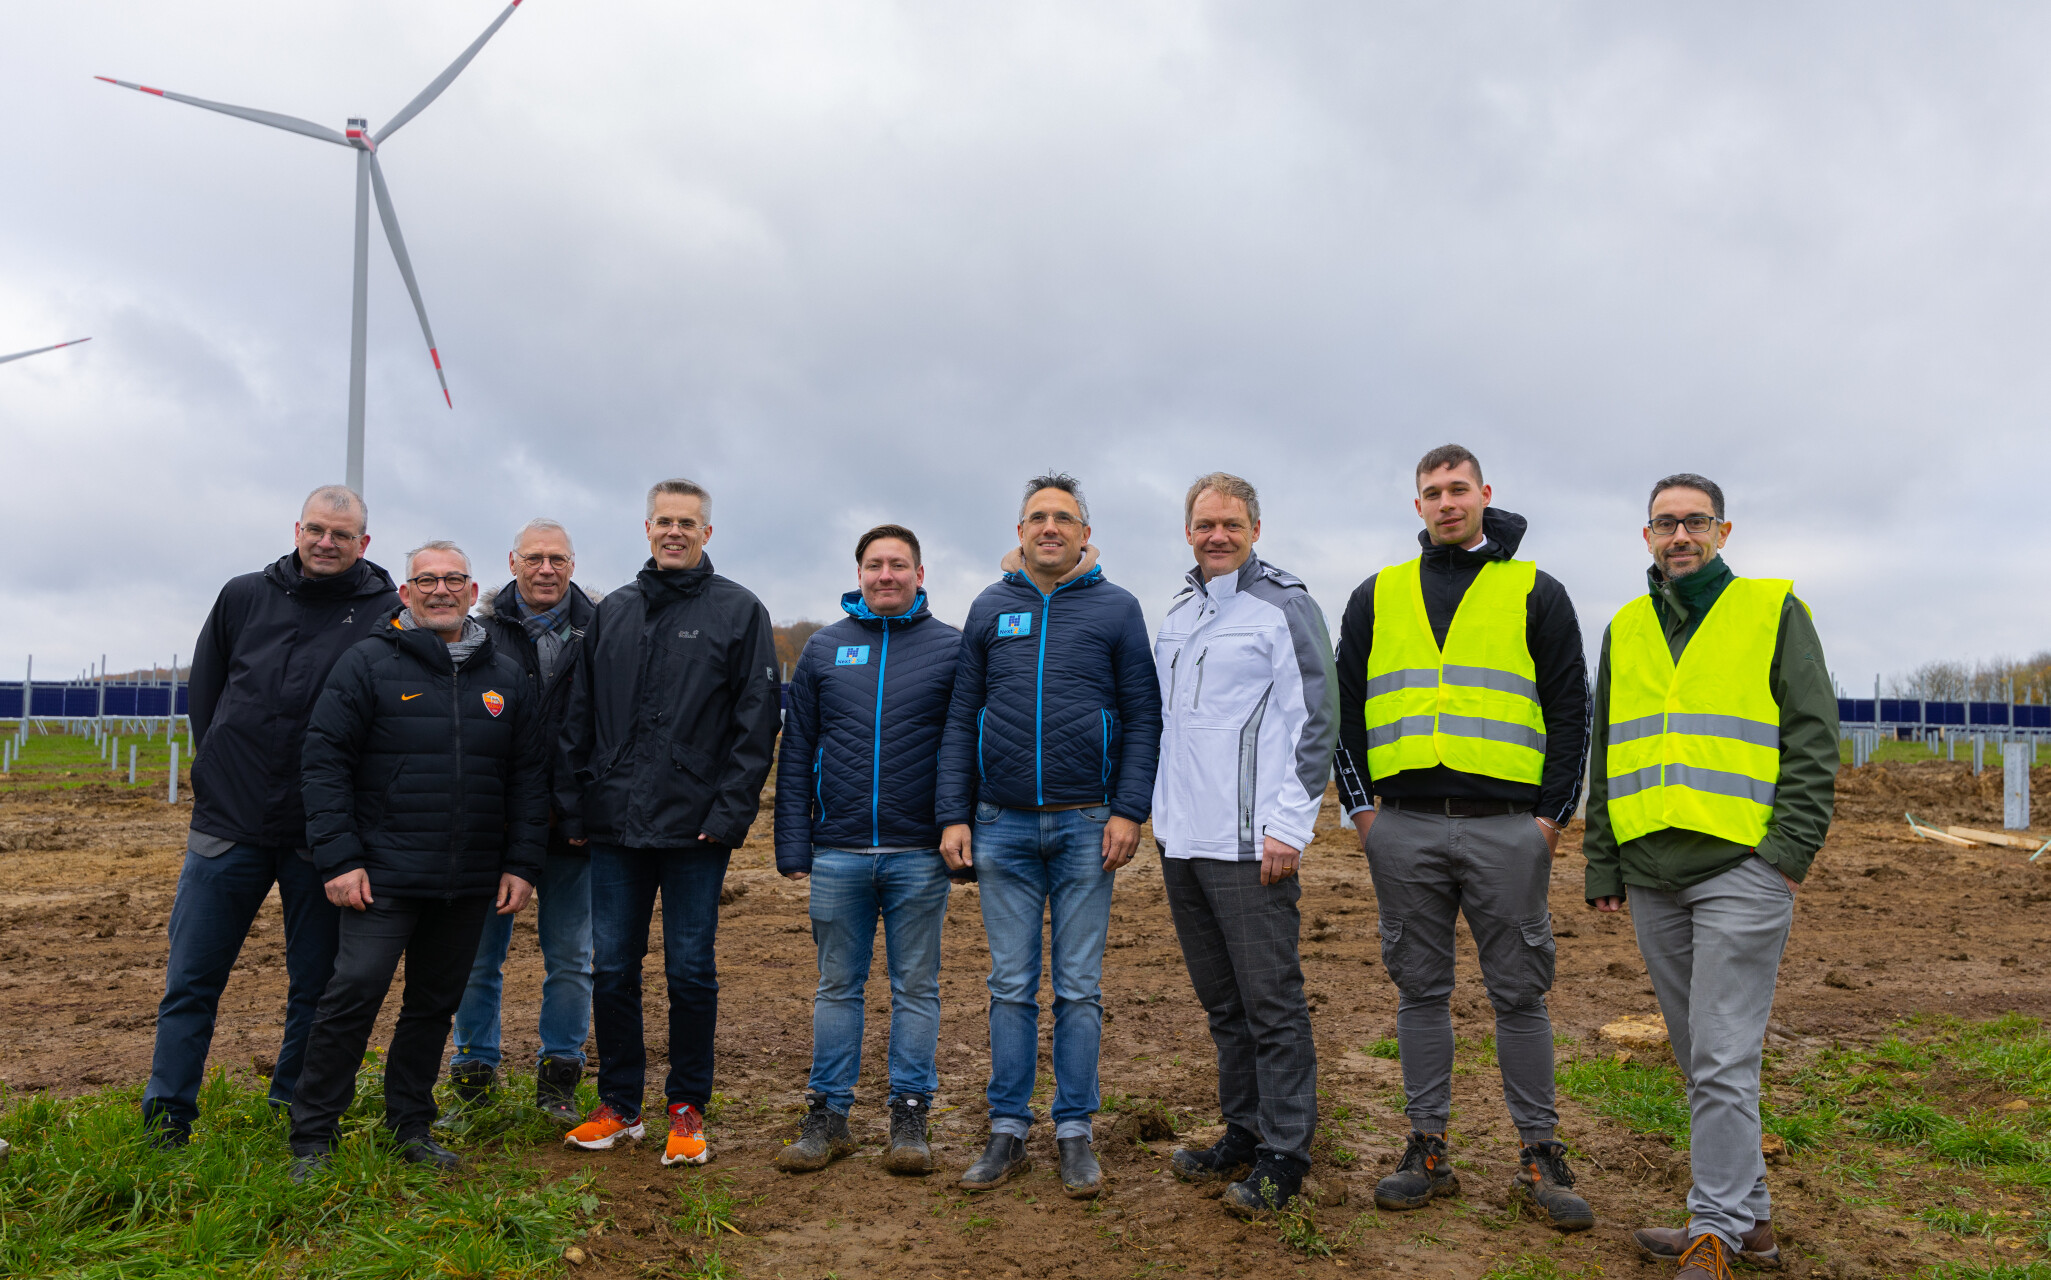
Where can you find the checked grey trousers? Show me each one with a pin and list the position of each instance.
(1714, 951)
(1428, 869)
(1239, 939)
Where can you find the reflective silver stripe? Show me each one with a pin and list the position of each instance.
(1717, 782)
(1490, 678)
(1706, 725)
(1630, 784)
(1408, 678)
(1408, 727)
(1492, 731)
(1642, 727)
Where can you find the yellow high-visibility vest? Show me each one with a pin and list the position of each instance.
(1696, 746)
(1473, 707)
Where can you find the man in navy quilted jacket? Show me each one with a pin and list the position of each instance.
(854, 811)
(1046, 773)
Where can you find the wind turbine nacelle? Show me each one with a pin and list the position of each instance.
(358, 134)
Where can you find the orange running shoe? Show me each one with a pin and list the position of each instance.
(603, 1129)
(686, 1136)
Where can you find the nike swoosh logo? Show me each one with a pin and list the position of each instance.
(408, 697)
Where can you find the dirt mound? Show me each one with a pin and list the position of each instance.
(1939, 791)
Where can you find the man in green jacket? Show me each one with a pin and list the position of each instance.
(1712, 773)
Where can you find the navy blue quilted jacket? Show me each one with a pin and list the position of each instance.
(861, 734)
(1055, 701)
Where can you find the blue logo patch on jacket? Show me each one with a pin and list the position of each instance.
(1014, 624)
(851, 655)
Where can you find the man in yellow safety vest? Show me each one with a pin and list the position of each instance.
(1463, 701)
(1714, 767)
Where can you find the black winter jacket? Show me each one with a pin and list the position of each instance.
(861, 734)
(673, 714)
(1553, 635)
(257, 670)
(429, 777)
(511, 640)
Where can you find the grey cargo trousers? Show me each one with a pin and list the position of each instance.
(1428, 869)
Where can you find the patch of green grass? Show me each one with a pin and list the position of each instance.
(1907, 1123)
(2000, 1271)
(1299, 1229)
(1982, 1140)
(1385, 1048)
(59, 761)
(1961, 1222)
(710, 1207)
(1647, 1099)
(1529, 1266)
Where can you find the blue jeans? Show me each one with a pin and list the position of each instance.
(624, 883)
(849, 891)
(1028, 864)
(563, 920)
(217, 901)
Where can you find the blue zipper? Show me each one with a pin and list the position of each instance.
(1040, 692)
(1106, 770)
(876, 759)
(819, 796)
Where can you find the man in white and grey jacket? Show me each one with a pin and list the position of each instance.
(1250, 717)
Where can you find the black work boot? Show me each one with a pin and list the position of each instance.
(1424, 1173)
(425, 1150)
(1229, 1157)
(1081, 1177)
(1543, 1178)
(908, 1150)
(1275, 1181)
(555, 1090)
(307, 1166)
(822, 1139)
(472, 1083)
(1003, 1157)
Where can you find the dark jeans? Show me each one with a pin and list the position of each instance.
(624, 883)
(217, 901)
(438, 937)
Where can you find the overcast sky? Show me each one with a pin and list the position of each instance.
(848, 262)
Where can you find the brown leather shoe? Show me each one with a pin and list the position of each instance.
(1667, 1244)
(1705, 1258)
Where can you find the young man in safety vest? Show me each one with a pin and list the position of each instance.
(1463, 700)
(1715, 764)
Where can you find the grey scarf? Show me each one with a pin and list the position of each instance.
(459, 652)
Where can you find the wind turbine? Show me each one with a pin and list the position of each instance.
(369, 177)
(40, 350)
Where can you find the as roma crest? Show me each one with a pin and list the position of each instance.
(493, 702)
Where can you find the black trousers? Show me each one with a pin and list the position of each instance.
(438, 937)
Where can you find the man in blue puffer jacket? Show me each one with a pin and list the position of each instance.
(1050, 749)
(854, 811)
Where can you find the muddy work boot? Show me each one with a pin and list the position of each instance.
(1667, 1244)
(822, 1139)
(1705, 1258)
(1004, 1158)
(908, 1150)
(1424, 1174)
(472, 1084)
(555, 1090)
(1081, 1177)
(1228, 1158)
(1276, 1179)
(1543, 1178)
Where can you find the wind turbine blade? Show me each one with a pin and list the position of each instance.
(275, 120)
(40, 350)
(442, 81)
(398, 243)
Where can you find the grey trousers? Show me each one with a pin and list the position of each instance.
(1714, 954)
(1427, 870)
(1239, 940)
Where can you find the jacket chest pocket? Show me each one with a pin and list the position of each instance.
(1221, 675)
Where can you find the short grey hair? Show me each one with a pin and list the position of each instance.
(1225, 485)
(439, 544)
(682, 488)
(1061, 480)
(542, 524)
(338, 497)
(1689, 480)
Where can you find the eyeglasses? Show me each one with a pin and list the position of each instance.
(553, 562)
(429, 581)
(320, 532)
(1664, 526)
(685, 525)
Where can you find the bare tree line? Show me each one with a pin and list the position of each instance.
(1984, 681)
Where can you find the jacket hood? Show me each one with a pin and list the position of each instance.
(487, 603)
(852, 604)
(359, 580)
(1503, 529)
(1013, 566)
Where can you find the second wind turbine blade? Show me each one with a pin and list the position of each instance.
(390, 218)
(275, 120)
(19, 355)
(442, 81)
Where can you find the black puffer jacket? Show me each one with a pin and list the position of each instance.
(429, 777)
(257, 670)
(511, 640)
(673, 714)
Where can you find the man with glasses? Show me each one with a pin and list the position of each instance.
(539, 620)
(257, 669)
(427, 803)
(668, 739)
(1712, 786)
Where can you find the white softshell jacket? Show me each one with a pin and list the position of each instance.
(1250, 715)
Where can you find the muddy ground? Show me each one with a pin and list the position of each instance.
(1885, 928)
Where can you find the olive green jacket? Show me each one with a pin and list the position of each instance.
(1673, 858)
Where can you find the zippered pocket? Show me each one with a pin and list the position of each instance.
(1110, 731)
(981, 773)
(1197, 699)
(818, 781)
(1173, 663)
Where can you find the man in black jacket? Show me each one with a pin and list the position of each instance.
(259, 665)
(539, 620)
(669, 736)
(1463, 704)
(426, 799)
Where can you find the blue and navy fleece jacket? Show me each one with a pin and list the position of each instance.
(861, 734)
(1055, 700)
